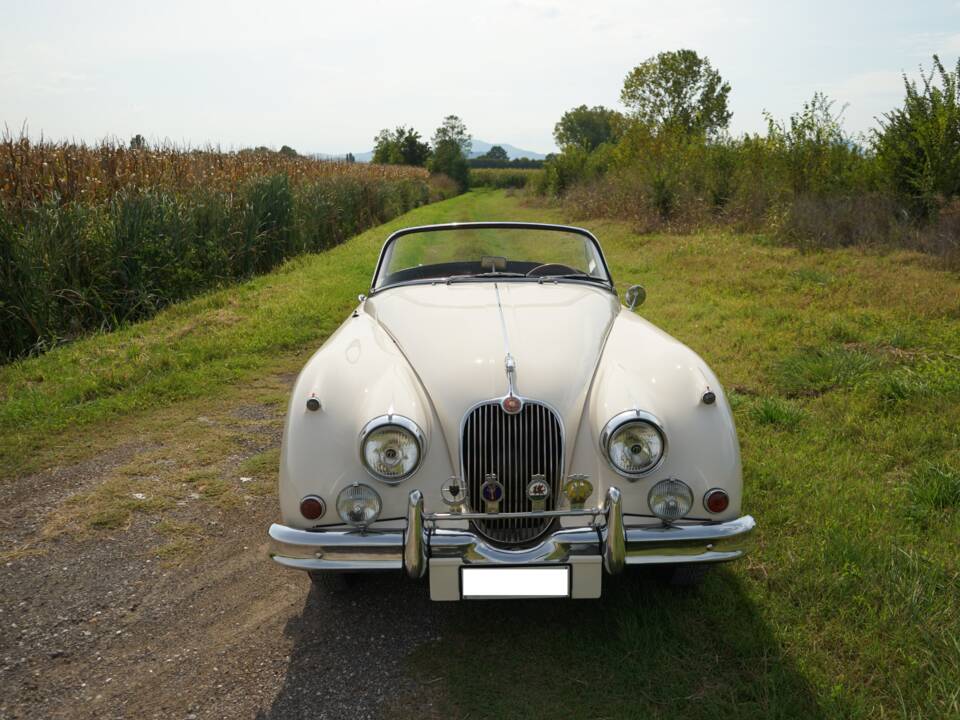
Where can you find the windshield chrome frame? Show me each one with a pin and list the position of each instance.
(606, 283)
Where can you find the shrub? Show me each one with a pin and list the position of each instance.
(918, 145)
(843, 220)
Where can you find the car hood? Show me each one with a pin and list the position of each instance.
(456, 338)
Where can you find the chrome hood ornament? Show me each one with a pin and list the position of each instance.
(511, 403)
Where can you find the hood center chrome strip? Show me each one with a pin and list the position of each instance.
(509, 363)
(503, 320)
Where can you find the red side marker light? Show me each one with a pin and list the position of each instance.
(312, 507)
(716, 501)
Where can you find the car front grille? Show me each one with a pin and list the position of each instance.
(515, 448)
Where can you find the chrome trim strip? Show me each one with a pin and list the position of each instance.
(590, 512)
(558, 547)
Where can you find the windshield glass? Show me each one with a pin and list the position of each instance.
(466, 253)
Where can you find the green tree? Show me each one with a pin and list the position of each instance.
(454, 129)
(451, 148)
(138, 142)
(678, 90)
(918, 145)
(402, 146)
(588, 127)
(496, 154)
(288, 151)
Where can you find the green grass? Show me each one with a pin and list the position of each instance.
(844, 372)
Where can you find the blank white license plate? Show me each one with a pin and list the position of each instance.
(488, 583)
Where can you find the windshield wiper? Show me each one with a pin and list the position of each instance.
(572, 276)
(494, 274)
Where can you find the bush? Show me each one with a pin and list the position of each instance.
(918, 145)
(843, 220)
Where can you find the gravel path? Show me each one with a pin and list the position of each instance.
(98, 627)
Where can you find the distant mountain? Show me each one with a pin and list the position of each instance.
(480, 147)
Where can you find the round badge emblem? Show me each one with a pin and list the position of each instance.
(453, 491)
(538, 489)
(492, 491)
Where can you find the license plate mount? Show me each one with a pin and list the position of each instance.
(515, 583)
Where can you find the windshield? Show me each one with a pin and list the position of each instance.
(477, 252)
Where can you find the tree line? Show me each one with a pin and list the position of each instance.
(668, 159)
(446, 153)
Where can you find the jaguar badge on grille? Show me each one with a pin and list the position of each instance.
(492, 493)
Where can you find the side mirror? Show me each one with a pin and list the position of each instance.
(635, 296)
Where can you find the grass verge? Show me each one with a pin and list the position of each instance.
(844, 374)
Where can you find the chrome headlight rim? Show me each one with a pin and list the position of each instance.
(403, 423)
(618, 421)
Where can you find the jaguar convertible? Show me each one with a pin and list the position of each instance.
(491, 417)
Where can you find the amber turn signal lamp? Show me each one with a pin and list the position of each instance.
(312, 507)
(716, 500)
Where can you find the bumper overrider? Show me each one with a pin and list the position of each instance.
(604, 545)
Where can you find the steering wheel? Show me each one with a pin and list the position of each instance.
(553, 269)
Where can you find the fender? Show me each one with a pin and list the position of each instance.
(357, 375)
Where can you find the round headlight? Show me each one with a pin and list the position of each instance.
(358, 505)
(391, 448)
(634, 446)
(670, 499)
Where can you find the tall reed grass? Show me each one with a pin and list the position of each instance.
(95, 236)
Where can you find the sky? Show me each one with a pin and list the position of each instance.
(327, 76)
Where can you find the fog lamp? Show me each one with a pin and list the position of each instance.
(670, 499)
(358, 505)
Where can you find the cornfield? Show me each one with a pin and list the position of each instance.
(92, 237)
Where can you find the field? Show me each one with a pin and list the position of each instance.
(144, 461)
(92, 237)
(503, 178)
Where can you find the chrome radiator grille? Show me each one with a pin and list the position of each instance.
(515, 448)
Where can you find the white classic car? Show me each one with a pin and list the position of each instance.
(492, 417)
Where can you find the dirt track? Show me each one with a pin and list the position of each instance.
(96, 626)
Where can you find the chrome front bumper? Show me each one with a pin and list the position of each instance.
(423, 543)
